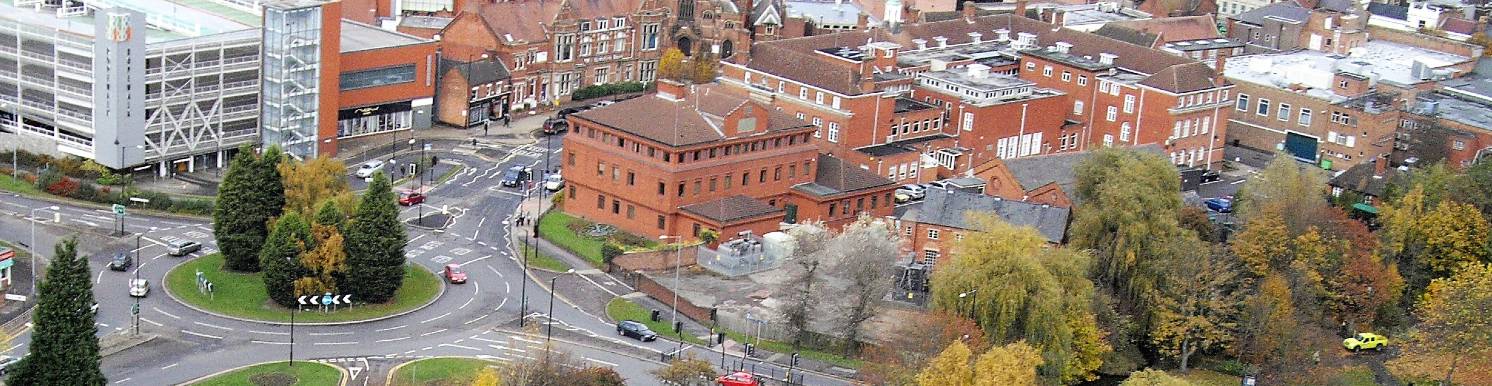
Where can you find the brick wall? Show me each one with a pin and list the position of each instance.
(658, 292)
(1426, 41)
(655, 260)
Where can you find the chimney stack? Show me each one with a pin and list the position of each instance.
(976, 37)
(1020, 8)
(942, 41)
(969, 11)
(921, 43)
(1002, 35)
(1380, 165)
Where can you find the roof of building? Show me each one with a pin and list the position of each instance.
(1095, 13)
(427, 22)
(1378, 60)
(1128, 35)
(823, 12)
(798, 59)
(834, 176)
(950, 208)
(728, 209)
(477, 72)
(1152, 32)
(1460, 108)
(165, 20)
(362, 37)
(1060, 168)
(1284, 10)
(1362, 178)
(1202, 44)
(1458, 25)
(696, 118)
(901, 146)
(528, 21)
(1388, 10)
(1163, 8)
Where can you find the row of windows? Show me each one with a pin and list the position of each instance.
(724, 182)
(696, 155)
(1189, 157)
(1283, 114)
(616, 207)
(1201, 98)
(1190, 127)
(902, 171)
(818, 96)
(842, 208)
(818, 124)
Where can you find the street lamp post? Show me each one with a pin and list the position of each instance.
(973, 302)
(420, 169)
(135, 312)
(549, 330)
(34, 256)
(523, 284)
(677, 265)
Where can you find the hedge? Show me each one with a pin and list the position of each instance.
(601, 90)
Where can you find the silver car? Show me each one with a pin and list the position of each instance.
(368, 168)
(182, 247)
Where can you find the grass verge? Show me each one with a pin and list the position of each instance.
(555, 227)
(439, 371)
(541, 260)
(275, 373)
(17, 185)
(623, 309)
(1204, 377)
(620, 309)
(243, 295)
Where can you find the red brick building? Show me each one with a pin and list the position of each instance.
(385, 81)
(692, 158)
(934, 225)
(1116, 93)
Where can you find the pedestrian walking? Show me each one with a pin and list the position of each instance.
(507, 120)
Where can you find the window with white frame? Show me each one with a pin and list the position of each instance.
(1284, 113)
(1305, 117)
(1108, 140)
(1243, 102)
(585, 46)
(1030, 66)
(1066, 76)
(1124, 132)
(834, 132)
(817, 124)
(1077, 107)
(818, 97)
(1103, 86)
(800, 116)
(1129, 104)
(648, 71)
(1176, 130)
(602, 75)
(932, 234)
(1112, 115)
(1082, 80)
(930, 257)
(620, 44)
(1046, 71)
(968, 122)
(834, 102)
(1206, 124)
(564, 48)
(1263, 107)
(650, 37)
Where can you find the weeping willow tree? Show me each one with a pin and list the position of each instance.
(1017, 288)
(1130, 211)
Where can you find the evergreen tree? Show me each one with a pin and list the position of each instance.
(328, 214)
(281, 258)
(375, 245)
(64, 343)
(250, 195)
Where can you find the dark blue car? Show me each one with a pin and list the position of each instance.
(1220, 204)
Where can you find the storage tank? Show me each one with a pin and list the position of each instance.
(778, 245)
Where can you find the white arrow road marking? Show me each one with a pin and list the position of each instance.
(200, 334)
(601, 362)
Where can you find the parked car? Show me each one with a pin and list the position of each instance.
(1211, 176)
(1365, 340)
(554, 182)
(368, 168)
(453, 274)
(634, 329)
(902, 197)
(555, 125)
(516, 176)
(182, 247)
(914, 191)
(940, 184)
(411, 198)
(1220, 204)
(139, 287)
(122, 261)
(6, 363)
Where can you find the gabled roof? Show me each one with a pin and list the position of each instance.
(1458, 25)
(731, 208)
(1388, 10)
(1163, 8)
(1166, 29)
(1037, 171)
(528, 20)
(834, 176)
(950, 208)
(1128, 35)
(694, 119)
(1285, 10)
(477, 72)
(1361, 178)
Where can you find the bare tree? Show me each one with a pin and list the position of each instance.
(861, 256)
(810, 238)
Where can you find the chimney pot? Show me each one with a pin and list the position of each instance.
(976, 37)
(1107, 58)
(1003, 34)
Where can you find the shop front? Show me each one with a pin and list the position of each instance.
(375, 119)
(489, 109)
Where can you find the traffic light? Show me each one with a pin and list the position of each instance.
(750, 350)
(655, 315)
(795, 360)
(714, 313)
(678, 327)
(720, 338)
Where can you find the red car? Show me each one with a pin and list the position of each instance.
(411, 198)
(454, 275)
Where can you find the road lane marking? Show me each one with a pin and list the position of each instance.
(478, 259)
(520, 339)
(601, 362)
(501, 304)
(268, 332)
(433, 332)
(459, 346)
(122, 381)
(152, 322)
(468, 302)
(100, 278)
(89, 223)
(165, 313)
(332, 343)
(494, 270)
(102, 325)
(170, 366)
(475, 320)
(268, 342)
(433, 319)
(200, 334)
(391, 328)
(329, 333)
(487, 340)
(391, 340)
(1237, 182)
(212, 326)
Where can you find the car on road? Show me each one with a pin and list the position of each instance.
(122, 261)
(368, 168)
(1365, 341)
(6, 363)
(554, 182)
(1211, 176)
(1220, 204)
(182, 247)
(555, 125)
(635, 329)
(408, 198)
(139, 288)
(516, 176)
(454, 274)
(914, 191)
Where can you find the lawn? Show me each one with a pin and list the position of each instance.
(541, 260)
(622, 309)
(555, 227)
(1204, 377)
(304, 373)
(439, 371)
(18, 186)
(243, 295)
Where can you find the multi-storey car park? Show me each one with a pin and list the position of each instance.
(129, 84)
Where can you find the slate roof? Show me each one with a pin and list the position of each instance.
(949, 208)
(362, 37)
(697, 118)
(1128, 35)
(1287, 10)
(1037, 171)
(1388, 10)
(798, 60)
(834, 176)
(529, 20)
(477, 72)
(732, 208)
(1359, 178)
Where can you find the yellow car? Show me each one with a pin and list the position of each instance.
(1365, 340)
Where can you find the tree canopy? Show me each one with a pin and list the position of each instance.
(64, 344)
(251, 194)
(1454, 317)
(375, 244)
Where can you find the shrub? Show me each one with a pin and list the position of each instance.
(63, 186)
(629, 239)
(114, 179)
(578, 225)
(46, 179)
(609, 252)
(601, 90)
(557, 200)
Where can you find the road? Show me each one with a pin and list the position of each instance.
(478, 318)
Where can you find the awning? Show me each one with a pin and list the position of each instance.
(1365, 208)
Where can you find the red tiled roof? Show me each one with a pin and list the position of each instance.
(795, 58)
(732, 208)
(1163, 8)
(1458, 25)
(692, 120)
(834, 176)
(529, 19)
(1173, 29)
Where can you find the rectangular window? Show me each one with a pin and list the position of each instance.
(834, 132)
(631, 211)
(1112, 115)
(1077, 107)
(660, 221)
(1243, 102)
(1082, 80)
(1066, 76)
(1284, 112)
(968, 121)
(662, 188)
(818, 123)
(378, 77)
(631, 178)
(1305, 116)
(932, 234)
(650, 37)
(1263, 107)
(1129, 104)
(600, 202)
(1046, 71)
(571, 159)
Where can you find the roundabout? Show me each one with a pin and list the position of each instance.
(275, 374)
(242, 296)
